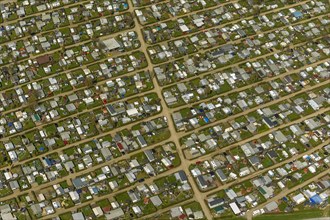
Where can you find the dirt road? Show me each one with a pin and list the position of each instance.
(198, 196)
(286, 192)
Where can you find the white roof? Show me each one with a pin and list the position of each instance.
(299, 198)
(111, 44)
(132, 111)
(115, 213)
(235, 208)
(184, 28)
(97, 211)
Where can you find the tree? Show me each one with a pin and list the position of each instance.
(33, 99)
(256, 11)
(89, 82)
(207, 90)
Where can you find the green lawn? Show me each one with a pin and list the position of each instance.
(230, 218)
(5, 192)
(314, 213)
(195, 206)
(66, 216)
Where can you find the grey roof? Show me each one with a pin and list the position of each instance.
(201, 181)
(254, 160)
(280, 137)
(79, 183)
(36, 209)
(111, 44)
(180, 175)
(156, 200)
(271, 206)
(106, 152)
(221, 175)
(149, 154)
(78, 216)
(213, 202)
(240, 199)
(141, 140)
(5, 208)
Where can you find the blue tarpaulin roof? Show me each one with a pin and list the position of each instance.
(48, 161)
(297, 14)
(95, 190)
(316, 199)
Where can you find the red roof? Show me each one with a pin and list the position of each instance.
(106, 209)
(183, 216)
(120, 146)
(146, 200)
(43, 59)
